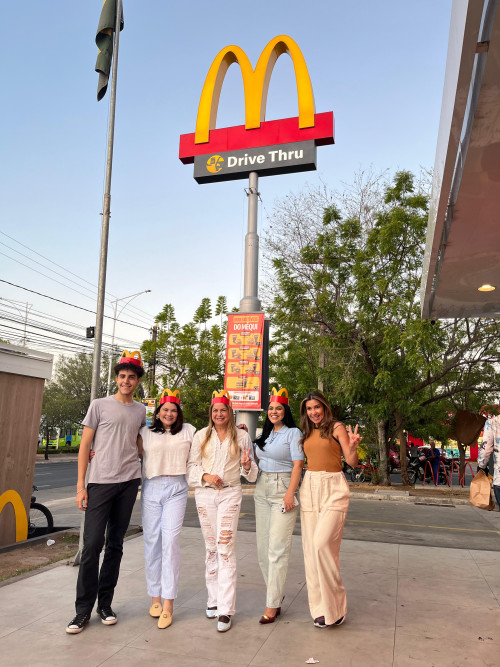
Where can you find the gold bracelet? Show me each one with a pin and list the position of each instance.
(80, 490)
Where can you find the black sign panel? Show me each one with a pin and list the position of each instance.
(266, 161)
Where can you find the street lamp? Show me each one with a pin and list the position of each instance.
(130, 298)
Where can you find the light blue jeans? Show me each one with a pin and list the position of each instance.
(274, 532)
(163, 501)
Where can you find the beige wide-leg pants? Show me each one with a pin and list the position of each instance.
(324, 501)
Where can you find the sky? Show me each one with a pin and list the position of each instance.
(379, 66)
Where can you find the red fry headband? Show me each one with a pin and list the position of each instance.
(168, 396)
(130, 358)
(280, 396)
(220, 397)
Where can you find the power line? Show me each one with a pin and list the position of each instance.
(66, 271)
(87, 310)
(19, 319)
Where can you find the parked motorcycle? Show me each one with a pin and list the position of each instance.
(363, 472)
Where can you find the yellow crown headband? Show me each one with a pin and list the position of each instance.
(131, 358)
(221, 397)
(280, 396)
(168, 396)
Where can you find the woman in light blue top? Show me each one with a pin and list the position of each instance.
(280, 459)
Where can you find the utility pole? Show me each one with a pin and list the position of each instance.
(152, 367)
(106, 213)
(103, 258)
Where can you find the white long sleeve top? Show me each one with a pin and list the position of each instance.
(217, 460)
(164, 453)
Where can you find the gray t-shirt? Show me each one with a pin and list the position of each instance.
(116, 427)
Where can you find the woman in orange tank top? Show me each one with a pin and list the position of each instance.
(324, 500)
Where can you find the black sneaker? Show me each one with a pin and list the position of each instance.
(108, 616)
(77, 624)
(340, 621)
(320, 622)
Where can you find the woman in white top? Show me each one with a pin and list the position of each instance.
(165, 451)
(219, 455)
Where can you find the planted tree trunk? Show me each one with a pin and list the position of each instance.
(461, 449)
(401, 435)
(47, 444)
(383, 471)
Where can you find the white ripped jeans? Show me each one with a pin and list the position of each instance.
(219, 512)
(163, 501)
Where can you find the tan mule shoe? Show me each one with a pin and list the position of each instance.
(155, 610)
(165, 620)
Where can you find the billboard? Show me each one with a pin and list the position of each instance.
(209, 141)
(245, 376)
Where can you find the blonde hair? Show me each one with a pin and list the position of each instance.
(232, 433)
(306, 426)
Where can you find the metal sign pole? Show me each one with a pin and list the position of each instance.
(106, 212)
(250, 302)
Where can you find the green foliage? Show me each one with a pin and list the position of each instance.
(347, 280)
(66, 397)
(190, 357)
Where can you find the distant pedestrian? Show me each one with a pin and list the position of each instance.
(165, 450)
(434, 459)
(491, 445)
(280, 459)
(220, 453)
(324, 500)
(111, 428)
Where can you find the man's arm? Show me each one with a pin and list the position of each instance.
(83, 462)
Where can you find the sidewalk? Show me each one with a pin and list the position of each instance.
(407, 606)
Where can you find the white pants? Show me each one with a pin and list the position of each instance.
(274, 531)
(163, 501)
(219, 512)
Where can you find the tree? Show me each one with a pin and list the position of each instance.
(58, 411)
(345, 303)
(190, 358)
(66, 397)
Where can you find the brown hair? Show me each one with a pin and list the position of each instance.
(231, 431)
(306, 426)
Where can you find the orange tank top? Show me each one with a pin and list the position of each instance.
(322, 453)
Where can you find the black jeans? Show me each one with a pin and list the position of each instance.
(108, 514)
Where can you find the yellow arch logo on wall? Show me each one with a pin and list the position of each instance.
(255, 85)
(14, 499)
(214, 163)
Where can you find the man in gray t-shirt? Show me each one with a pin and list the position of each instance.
(110, 429)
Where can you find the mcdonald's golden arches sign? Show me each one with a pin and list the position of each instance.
(267, 147)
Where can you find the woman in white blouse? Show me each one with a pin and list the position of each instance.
(165, 451)
(219, 455)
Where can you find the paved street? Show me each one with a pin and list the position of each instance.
(436, 525)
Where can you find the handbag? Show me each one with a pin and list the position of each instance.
(480, 492)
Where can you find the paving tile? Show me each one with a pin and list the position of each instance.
(428, 620)
(433, 554)
(416, 650)
(192, 634)
(21, 648)
(293, 643)
(134, 657)
(471, 593)
(133, 620)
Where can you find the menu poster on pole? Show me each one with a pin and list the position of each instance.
(244, 352)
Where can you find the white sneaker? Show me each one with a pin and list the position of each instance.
(224, 623)
(211, 612)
